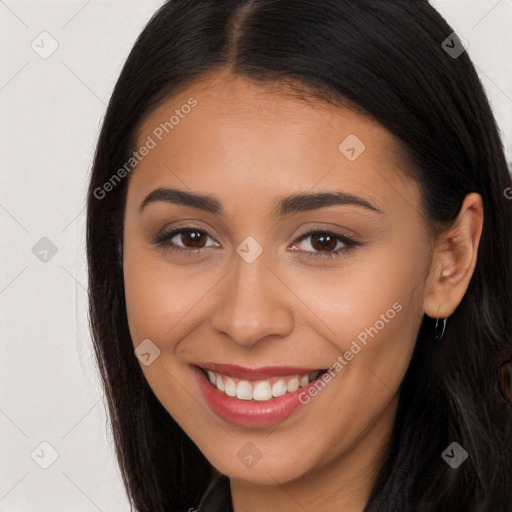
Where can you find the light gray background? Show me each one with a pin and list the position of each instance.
(50, 114)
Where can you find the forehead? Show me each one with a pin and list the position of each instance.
(258, 139)
(237, 102)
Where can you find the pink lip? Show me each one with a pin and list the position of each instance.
(249, 413)
(263, 372)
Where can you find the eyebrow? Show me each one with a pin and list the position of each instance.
(282, 207)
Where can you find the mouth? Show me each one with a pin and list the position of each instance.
(260, 384)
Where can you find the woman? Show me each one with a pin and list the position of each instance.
(299, 253)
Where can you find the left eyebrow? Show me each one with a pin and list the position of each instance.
(304, 202)
(283, 206)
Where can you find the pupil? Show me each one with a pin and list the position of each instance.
(194, 237)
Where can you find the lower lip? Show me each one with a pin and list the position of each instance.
(248, 413)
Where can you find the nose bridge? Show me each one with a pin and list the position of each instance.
(251, 304)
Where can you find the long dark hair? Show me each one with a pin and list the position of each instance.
(385, 59)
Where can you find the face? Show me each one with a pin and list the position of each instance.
(266, 288)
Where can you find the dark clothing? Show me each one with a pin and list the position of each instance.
(217, 497)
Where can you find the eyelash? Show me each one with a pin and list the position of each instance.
(164, 240)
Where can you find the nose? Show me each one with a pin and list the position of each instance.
(254, 303)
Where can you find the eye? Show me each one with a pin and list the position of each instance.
(325, 241)
(193, 240)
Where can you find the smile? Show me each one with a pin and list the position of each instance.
(260, 390)
(253, 397)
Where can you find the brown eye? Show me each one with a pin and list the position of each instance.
(184, 240)
(324, 243)
(195, 237)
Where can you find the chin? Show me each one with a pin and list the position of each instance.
(262, 472)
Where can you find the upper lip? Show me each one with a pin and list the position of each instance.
(254, 373)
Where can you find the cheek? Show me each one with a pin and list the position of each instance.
(370, 312)
(161, 298)
(160, 302)
(377, 290)
(372, 317)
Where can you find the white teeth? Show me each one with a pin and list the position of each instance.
(244, 390)
(292, 385)
(279, 388)
(262, 390)
(230, 386)
(219, 382)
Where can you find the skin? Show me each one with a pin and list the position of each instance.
(249, 145)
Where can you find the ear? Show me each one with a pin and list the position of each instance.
(454, 259)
